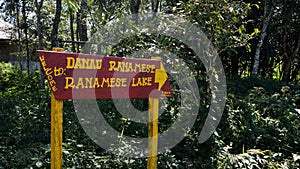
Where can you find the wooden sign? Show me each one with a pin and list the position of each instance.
(82, 76)
(91, 76)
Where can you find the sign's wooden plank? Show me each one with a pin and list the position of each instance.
(82, 76)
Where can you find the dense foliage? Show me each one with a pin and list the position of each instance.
(256, 40)
(259, 129)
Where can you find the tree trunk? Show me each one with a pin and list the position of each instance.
(38, 7)
(19, 39)
(155, 4)
(262, 37)
(84, 33)
(288, 60)
(72, 30)
(82, 25)
(287, 69)
(82, 21)
(296, 72)
(134, 8)
(26, 35)
(54, 34)
(235, 66)
(290, 51)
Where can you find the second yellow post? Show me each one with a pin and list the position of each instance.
(152, 133)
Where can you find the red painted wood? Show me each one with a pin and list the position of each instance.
(60, 72)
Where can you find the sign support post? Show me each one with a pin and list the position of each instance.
(56, 129)
(153, 120)
(152, 133)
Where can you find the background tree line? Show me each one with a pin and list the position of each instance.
(253, 38)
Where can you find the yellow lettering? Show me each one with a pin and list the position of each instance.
(98, 63)
(77, 64)
(48, 71)
(146, 81)
(88, 82)
(85, 63)
(149, 81)
(96, 83)
(124, 82)
(91, 64)
(118, 82)
(112, 82)
(152, 68)
(80, 83)
(121, 66)
(143, 67)
(44, 64)
(105, 80)
(136, 83)
(129, 69)
(42, 58)
(112, 65)
(137, 66)
(69, 82)
(133, 83)
(91, 83)
(141, 81)
(54, 88)
(70, 63)
(50, 77)
(52, 83)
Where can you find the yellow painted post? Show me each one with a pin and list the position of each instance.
(56, 132)
(153, 130)
(56, 129)
(58, 49)
(152, 133)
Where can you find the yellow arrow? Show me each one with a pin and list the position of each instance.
(160, 76)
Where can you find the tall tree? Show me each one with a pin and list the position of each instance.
(72, 9)
(54, 34)
(25, 26)
(38, 7)
(134, 8)
(72, 30)
(155, 5)
(267, 17)
(290, 37)
(19, 36)
(82, 24)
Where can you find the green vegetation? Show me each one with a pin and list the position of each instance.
(256, 40)
(259, 129)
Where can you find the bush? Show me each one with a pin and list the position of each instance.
(259, 129)
(8, 75)
(254, 158)
(264, 120)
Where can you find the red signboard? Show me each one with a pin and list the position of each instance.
(82, 76)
